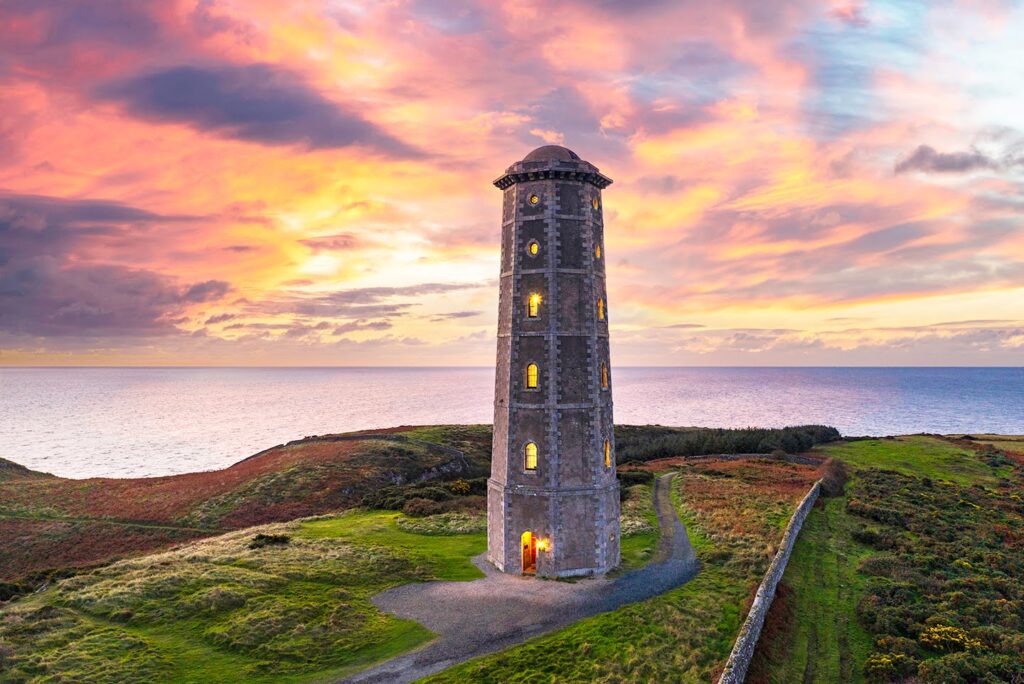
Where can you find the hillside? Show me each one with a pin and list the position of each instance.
(52, 525)
(916, 572)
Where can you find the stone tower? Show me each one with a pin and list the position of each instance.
(553, 498)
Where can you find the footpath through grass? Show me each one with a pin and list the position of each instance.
(730, 510)
(288, 607)
(917, 572)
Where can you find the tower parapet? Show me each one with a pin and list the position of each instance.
(553, 497)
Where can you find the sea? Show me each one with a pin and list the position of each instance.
(141, 422)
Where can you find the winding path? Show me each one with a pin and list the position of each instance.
(489, 614)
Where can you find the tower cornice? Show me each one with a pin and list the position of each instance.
(514, 175)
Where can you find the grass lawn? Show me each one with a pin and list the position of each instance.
(927, 545)
(919, 456)
(825, 643)
(221, 611)
(447, 556)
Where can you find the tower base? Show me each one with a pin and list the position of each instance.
(553, 533)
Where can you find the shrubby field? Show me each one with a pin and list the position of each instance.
(916, 574)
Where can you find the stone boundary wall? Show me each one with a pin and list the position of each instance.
(735, 671)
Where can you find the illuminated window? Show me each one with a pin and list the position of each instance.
(534, 199)
(533, 305)
(600, 309)
(533, 248)
(604, 376)
(532, 376)
(607, 454)
(595, 203)
(531, 456)
(597, 252)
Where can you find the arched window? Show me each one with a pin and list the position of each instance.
(530, 456)
(533, 305)
(604, 376)
(597, 252)
(600, 309)
(607, 454)
(532, 376)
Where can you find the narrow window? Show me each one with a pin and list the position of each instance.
(607, 454)
(533, 248)
(604, 376)
(530, 462)
(600, 309)
(595, 203)
(533, 306)
(532, 376)
(597, 252)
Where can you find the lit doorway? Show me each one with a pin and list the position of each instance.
(529, 545)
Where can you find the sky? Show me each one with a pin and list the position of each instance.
(246, 182)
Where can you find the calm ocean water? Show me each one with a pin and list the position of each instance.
(131, 422)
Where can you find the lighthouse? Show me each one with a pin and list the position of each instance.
(553, 497)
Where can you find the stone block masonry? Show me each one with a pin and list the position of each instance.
(553, 498)
(743, 650)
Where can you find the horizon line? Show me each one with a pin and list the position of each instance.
(475, 367)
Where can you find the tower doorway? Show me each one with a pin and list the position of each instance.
(529, 545)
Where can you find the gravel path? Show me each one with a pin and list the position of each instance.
(486, 615)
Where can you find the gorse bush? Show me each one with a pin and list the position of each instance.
(945, 598)
(644, 443)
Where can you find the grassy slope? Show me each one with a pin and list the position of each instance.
(731, 510)
(918, 456)
(637, 547)
(52, 523)
(821, 640)
(219, 611)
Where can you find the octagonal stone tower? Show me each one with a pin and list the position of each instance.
(553, 498)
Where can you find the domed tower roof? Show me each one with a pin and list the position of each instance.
(552, 161)
(551, 153)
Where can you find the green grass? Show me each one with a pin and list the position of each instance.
(825, 644)
(645, 641)
(918, 456)
(681, 636)
(637, 547)
(220, 611)
(822, 639)
(447, 555)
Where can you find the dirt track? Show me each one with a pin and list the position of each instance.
(498, 611)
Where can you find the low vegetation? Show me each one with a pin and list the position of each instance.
(647, 442)
(916, 574)
(285, 602)
(51, 525)
(735, 512)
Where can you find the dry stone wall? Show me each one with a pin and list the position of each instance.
(743, 650)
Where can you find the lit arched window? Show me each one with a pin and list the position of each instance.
(532, 376)
(597, 252)
(607, 454)
(600, 309)
(594, 202)
(530, 460)
(533, 305)
(604, 376)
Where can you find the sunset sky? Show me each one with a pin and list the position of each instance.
(246, 182)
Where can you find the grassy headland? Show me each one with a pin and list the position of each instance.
(917, 572)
